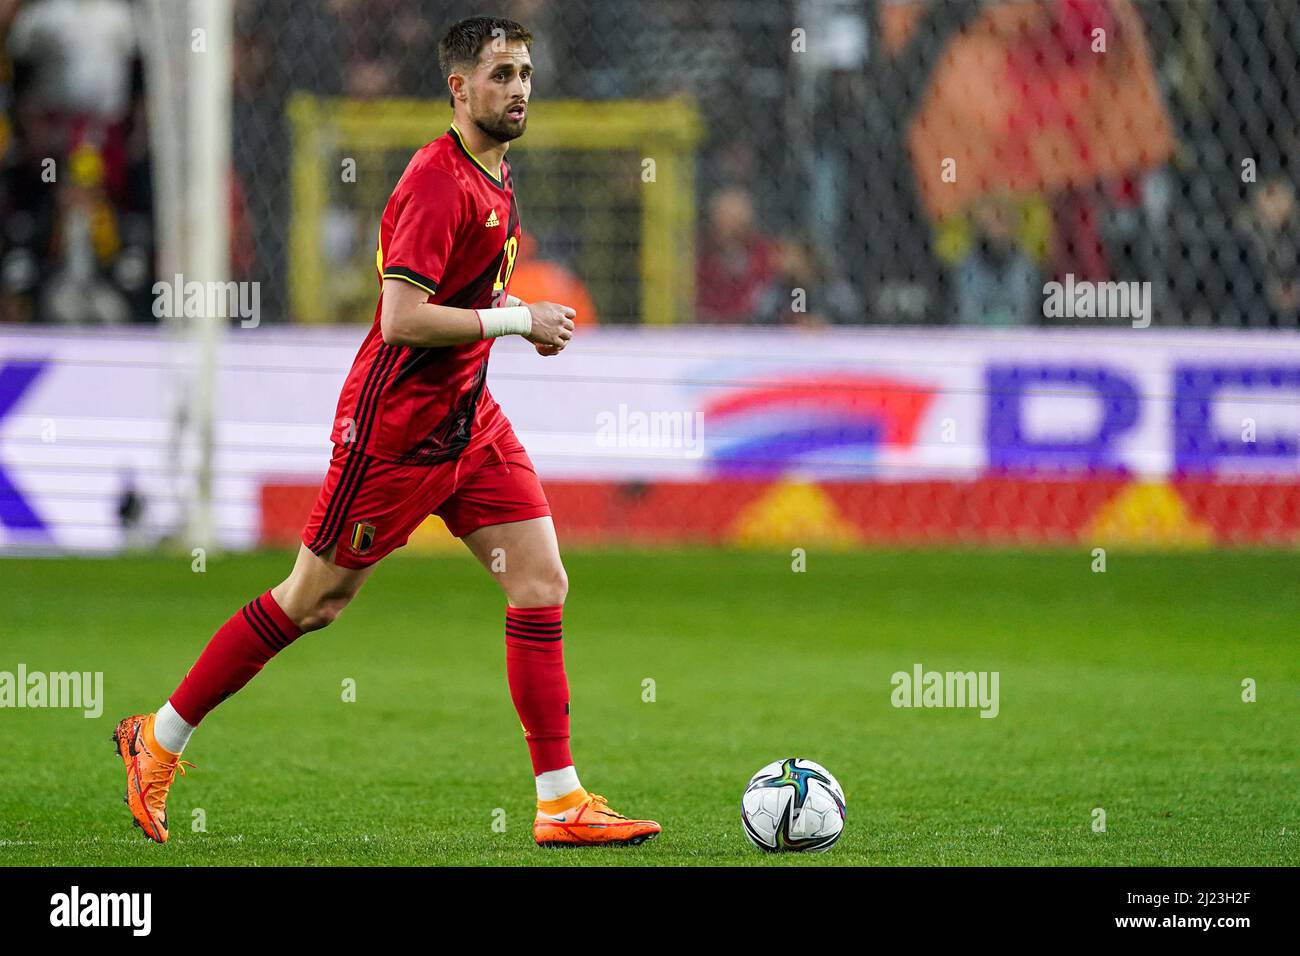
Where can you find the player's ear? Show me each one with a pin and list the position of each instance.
(456, 86)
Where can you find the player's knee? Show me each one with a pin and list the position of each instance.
(556, 586)
(321, 613)
(541, 590)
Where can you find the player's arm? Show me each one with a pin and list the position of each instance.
(406, 317)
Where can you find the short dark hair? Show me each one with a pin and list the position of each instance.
(463, 42)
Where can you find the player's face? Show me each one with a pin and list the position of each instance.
(499, 89)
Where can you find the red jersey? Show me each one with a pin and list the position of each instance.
(452, 229)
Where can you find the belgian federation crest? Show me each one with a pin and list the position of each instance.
(363, 537)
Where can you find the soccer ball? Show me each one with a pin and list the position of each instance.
(793, 805)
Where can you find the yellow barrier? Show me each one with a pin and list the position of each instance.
(329, 133)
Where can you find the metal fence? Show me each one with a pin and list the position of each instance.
(854, 161)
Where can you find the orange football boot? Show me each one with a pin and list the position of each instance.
(149, 774)
(589, 822)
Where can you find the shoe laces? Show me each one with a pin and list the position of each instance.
(599, 803)
(159, 775)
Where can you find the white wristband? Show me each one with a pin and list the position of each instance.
(515, 320)
(511, 302)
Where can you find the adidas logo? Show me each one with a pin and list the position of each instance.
(492, 219)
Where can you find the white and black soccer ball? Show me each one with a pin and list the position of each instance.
(793, 805)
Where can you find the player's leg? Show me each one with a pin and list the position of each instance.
(311, 597)
(366, 509)
(523, 556)
(320, 584)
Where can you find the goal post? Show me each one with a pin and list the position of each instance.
(208, 233)
(187, 51)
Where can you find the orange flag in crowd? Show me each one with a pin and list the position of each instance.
(1033, 96)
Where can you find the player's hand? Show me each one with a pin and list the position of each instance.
(552, 326)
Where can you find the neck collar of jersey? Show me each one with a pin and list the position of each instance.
(460, 141)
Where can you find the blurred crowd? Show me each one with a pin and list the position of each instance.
(76, 226)
(863, 161)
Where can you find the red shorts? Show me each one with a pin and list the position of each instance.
(370, 507)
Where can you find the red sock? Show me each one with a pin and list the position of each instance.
(535, 671)
(233, 657)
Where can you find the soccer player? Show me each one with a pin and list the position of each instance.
(416, 433)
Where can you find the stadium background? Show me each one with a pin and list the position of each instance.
(869, 357)
(801, 329)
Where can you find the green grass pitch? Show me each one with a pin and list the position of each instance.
(1120, 691)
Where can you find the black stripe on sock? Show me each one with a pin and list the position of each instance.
(258, 628)
(262, 614)
(555, 628)
(510, 632)
(540, 635)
